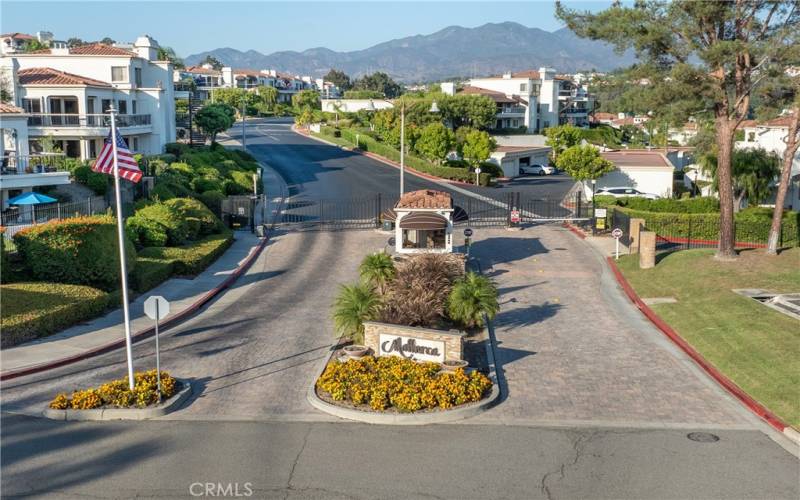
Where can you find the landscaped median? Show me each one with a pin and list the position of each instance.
(756, 347)
(418, 351)
(115, 399)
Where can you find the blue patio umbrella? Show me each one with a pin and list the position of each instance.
(31, 199)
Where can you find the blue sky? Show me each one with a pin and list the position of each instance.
(191, 27)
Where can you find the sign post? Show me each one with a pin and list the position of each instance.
(467, 239)
(617, 234)
(477, 176)
(156, 307)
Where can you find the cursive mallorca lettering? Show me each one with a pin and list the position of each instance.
(408, 349)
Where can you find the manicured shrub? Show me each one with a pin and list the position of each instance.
(150, 273)
(203, 184)
(117, 393)
(80, 250)
(392, 381)
(490, 168)
(198, 218)
(213, 200)
(4, 269)
(168, 218)
(36, 309)
(95, 181)
(182, 168)
(146, 232)
(162, 192)
(698, 205)
(233, 188)
(191, 259)
(176, 148)
(472, 297)
(354, 305)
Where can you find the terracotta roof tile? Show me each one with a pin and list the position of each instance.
(50, 76)
(637, 158)
(10, 108)
(21, 36)
(92, 49)
(498, 97)
(425, 198)
(201, 70)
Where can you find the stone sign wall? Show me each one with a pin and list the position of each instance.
(420, 344)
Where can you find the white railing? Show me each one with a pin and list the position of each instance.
(513, 110)
(91, 120)
(32, 164)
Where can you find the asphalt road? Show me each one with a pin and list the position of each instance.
(251, 354)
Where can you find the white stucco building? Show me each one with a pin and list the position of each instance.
(65, 91)
(647, 171)
(535, 99)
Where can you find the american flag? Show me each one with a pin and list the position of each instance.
(128, 167)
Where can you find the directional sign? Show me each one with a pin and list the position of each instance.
(617, 233)
(468, 232)
(150, 307)
(392, 241)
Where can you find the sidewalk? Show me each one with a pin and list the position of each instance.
(185, 297)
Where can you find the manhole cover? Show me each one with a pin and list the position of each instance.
(703, 437)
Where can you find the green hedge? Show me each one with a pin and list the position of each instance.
(752, 225)
(193, 258)
(81, 250)
(367, 143)
(150, 273)
(198, 218)
(700, 205)
(31, 310)
(158, 217)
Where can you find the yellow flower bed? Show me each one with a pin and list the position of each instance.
(116, 393)
(401, 383)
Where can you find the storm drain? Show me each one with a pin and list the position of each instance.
(703, 437)
(786, 303)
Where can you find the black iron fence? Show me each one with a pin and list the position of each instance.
(475, 210)
(16, 218)
(692, 232)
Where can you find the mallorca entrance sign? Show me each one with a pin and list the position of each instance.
(411, 348)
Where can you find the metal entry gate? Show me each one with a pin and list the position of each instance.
(238, 212)
(474, 210)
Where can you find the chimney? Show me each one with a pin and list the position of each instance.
(507, 76)
(59, 48)
(146, 48)
(227, 76)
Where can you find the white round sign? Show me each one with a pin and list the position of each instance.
(468, 232)
(478, 170)
(617, 233)
(150, 307)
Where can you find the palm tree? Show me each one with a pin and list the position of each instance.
(376, 270)
(472, 297)
(354, 305)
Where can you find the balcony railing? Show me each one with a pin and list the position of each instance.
(77, 121)
(512, 110)
(13, 164)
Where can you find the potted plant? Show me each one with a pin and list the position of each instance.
(452, 365)
(355, 351)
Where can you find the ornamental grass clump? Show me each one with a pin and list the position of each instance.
(406, 385)
(354, 305)
(472, 297)
(117, 394)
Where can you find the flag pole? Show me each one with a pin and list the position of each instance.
(121, 235)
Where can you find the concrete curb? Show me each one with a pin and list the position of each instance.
(148, 332)
(433, 417)
(754, 406)
(386, 161)
(165, 407)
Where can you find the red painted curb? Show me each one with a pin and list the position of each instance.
(753, 405)
(575, 230)
(393, 163)
(147, 332)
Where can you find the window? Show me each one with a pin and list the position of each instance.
(133, 106)
(119, 74)
(137, 76)
(122, 107)
(751, 137)
(92, 148)
(90, 105)
(106, 105)
(135, 144)
(523, 87)
(32, 105)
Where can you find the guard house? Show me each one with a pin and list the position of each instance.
(423, 222)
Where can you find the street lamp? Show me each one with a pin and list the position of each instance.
(594, 217)
(433, 109)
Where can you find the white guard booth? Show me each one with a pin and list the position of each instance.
(424, 222)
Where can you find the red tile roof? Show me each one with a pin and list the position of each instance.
(637, 158)
(10, 108)
(249, 72)
(425, 198)
(605, 116)
(498, 97)
(21, 36)
(92, 49)
(202, 71)
(50, 76)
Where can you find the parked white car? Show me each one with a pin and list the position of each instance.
(622, 192)
(537, 169)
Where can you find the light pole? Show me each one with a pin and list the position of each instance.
(244, 136)
(433, 109)
(594, 217)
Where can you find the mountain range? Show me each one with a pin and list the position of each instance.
(454, 51)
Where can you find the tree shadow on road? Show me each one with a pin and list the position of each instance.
(526, 316)
(493, 251)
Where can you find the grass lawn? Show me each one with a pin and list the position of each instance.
(756, 347)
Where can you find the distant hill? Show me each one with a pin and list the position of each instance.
(489, 49)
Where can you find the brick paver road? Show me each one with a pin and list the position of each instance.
(571, 349)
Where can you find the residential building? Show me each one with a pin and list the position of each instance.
(327, 90)
(65, 92)
(21, 172)
(771, 135)
(511, 158)
(287, 85)
(647, 171)
(204, 79)
(535, 99)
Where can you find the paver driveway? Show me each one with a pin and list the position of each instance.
(572, 349)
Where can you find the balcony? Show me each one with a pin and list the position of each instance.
(85, 125)
(45, 169)
(511, 111)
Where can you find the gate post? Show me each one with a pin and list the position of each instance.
(253, 214)
(378, 210)
(647, 252)
(509, 208)
(634, 230)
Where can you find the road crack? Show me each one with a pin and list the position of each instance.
(289, 486)
(554, 476)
